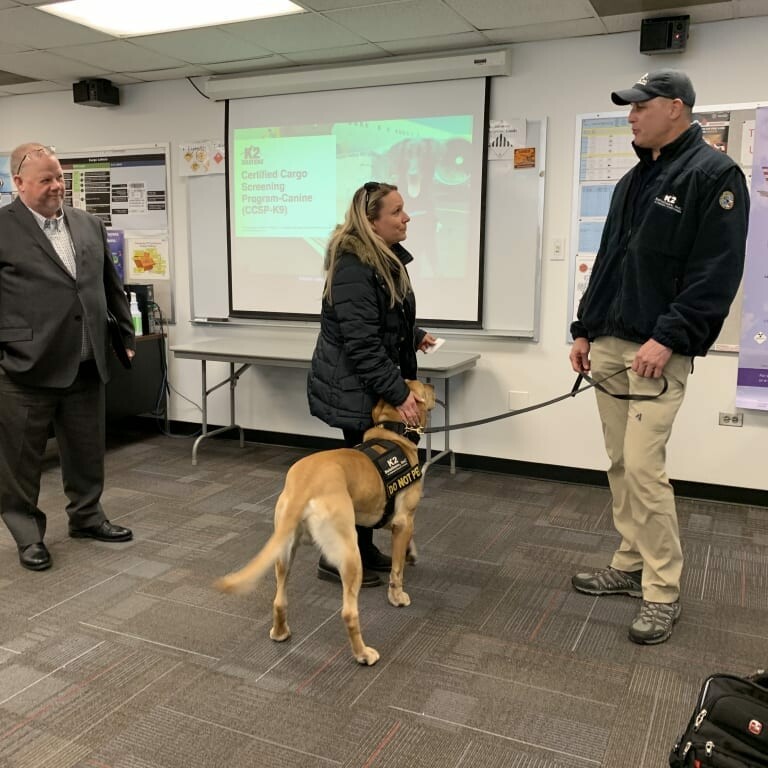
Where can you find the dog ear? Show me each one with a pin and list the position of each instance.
(378, 409)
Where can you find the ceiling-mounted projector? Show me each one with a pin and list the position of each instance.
(96, 93)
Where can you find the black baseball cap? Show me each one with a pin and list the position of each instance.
(669, 83)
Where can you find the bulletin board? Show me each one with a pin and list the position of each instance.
(603, 154)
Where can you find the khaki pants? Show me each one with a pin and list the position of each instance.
(636, 434)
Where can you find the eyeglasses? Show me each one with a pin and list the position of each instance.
(370, 186)
(37, 151)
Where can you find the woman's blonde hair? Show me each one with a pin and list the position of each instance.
(365, 208)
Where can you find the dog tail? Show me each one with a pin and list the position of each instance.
(279, 543)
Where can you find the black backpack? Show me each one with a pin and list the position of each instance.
(729, 726)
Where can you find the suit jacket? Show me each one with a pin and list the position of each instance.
(42, 308)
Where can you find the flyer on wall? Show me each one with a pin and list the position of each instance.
(752, 384)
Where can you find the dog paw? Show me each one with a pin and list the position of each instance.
(368, 657)
(281, 634)
(225, 584)
(398, 598)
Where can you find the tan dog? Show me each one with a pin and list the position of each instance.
(326, 494)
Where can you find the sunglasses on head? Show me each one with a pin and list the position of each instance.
(370, 186)
(36, 151)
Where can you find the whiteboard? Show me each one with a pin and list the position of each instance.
(512, 267)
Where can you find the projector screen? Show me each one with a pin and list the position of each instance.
(294, 162)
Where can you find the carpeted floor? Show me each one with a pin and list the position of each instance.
(124, 656)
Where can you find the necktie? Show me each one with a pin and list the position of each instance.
(61, 241)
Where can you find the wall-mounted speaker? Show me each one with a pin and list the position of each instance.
(667, 34)
(96, 93)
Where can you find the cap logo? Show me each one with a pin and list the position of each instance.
(643, 80)
(727, 200)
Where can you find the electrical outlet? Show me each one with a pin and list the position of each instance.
(731, 419)
(558, 249)
(517, 400)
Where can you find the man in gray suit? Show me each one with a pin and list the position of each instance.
(57, 282)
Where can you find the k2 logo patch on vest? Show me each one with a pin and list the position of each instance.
(727, 200)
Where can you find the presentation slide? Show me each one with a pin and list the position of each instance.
(291, 179)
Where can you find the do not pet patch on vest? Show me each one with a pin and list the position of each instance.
(393, 465)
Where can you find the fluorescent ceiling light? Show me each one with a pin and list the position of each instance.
(148, 17)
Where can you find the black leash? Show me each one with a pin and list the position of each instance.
(575, 390)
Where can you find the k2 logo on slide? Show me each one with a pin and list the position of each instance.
(252, 155)
(669, 202)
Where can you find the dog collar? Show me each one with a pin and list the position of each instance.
(412, 433)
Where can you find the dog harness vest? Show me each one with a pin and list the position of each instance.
(395, 470)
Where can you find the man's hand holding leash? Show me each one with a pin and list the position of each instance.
(650, 359)
(579, 356)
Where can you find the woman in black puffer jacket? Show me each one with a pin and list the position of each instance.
(368, 337)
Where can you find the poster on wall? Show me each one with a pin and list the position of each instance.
(6, 193)
(201, 158)
(127, 188)
(752, 382)
(147, 256)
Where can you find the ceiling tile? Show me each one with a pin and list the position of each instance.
(42, 30)
(46, 66)
(265, 62)
(746, 8)
(171, 73)
(285, 34)
(332, 5)
(401, 21)
(345, 53)
(119, 56)
(11, 48)
(39, 86)
(487, 14)
(648, 7)
(120, 78)
(436, 43)
(10, 78)
(562, 30)
(201, 45)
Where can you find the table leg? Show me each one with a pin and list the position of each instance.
(429, 435)
(433, 459)
(447, 447)
(232, 384)
(204, 432)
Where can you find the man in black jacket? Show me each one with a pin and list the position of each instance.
(668, 267)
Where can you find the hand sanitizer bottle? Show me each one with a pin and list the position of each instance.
(136, 316)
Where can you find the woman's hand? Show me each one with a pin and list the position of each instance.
(409, 410)
(427, 342)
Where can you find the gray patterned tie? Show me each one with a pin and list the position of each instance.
(57, 232)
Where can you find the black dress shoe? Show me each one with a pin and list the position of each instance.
(36, 557)
(104, 531)
(374, 560)
(327, 572)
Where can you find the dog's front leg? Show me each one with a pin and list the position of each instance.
(401, 537)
